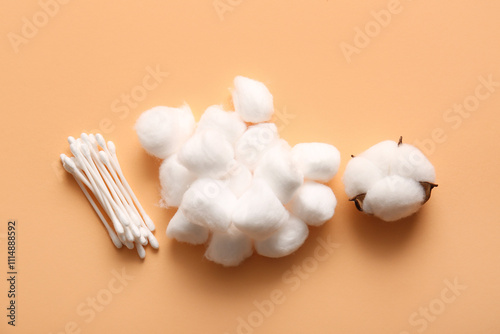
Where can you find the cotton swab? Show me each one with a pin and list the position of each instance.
(110, 149)
(96, 179)
(111, 233)
(98, 172)
(152, 240)
(110, 182)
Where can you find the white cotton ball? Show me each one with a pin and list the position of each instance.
(252, 100)
(210, 203)
(181, 229)
(256, 140)
(381, 155)
(359, 176)
(228, 123)
(410, 162)
(258, 212)
(284, 241)
(314, 203)
(394, 197)
(162, 130)
(318, 161)
(278, 169)
(207, 153)
(175, 179)
(239, 179)
(229, 248)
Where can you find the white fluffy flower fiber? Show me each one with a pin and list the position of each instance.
(231, 181)
(389, 180)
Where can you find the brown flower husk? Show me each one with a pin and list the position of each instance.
(358, 201)
(428, 186)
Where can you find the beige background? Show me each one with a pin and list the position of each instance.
(69, 74)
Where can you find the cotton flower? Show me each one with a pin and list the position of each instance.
(389, 180)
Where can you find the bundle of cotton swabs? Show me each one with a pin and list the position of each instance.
(99, 172)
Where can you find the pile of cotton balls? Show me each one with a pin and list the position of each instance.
(238, 186)
(389, 180)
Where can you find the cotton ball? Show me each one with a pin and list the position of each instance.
(394, 197)
(256, 140)
(210, 203)
(284, 241)
(314, 203)
(381, 155)
(252, 100)
(207, 153)
(162, 130)
(278, 169)
(229, 248)
(258, 212)
(318, 161)
(239, 179)
(410, 162)
(175, 179)
(228, 123)
(181, 229)
(359, 176)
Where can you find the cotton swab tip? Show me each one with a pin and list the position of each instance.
(73, 147)
(68, 164)
(100, 140)
(140, 250)
(63, 158)
(116, 241)
(135, 231)
(104, 158)
(122, 218)
(111, 147)
(85, 150)
(153, 242)
(85, 137)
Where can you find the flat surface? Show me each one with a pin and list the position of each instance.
(332, 84)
